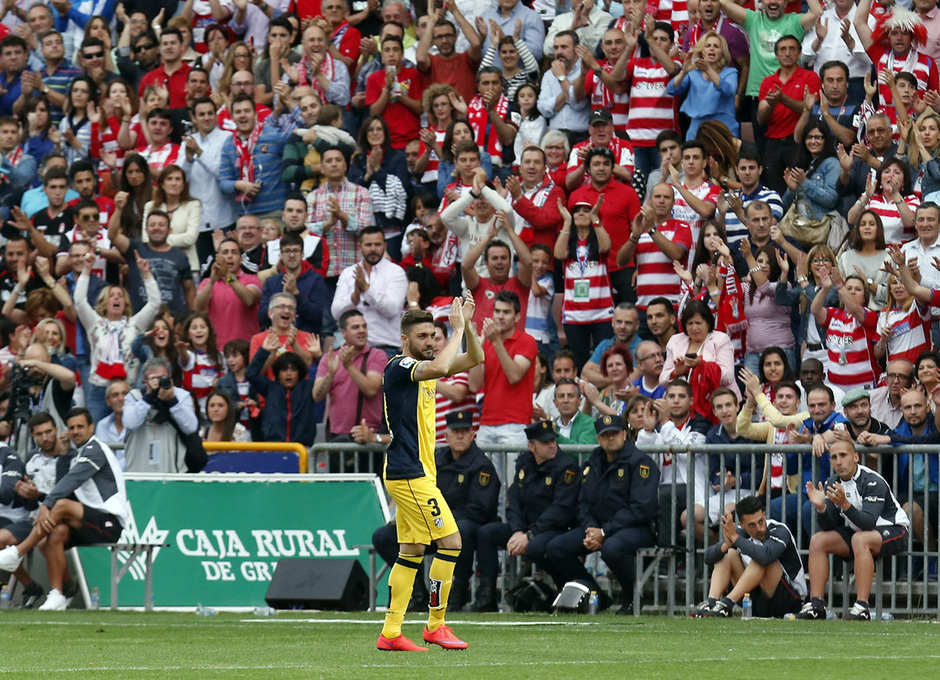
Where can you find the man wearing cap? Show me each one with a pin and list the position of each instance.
(617, 507)
(543, 503)
(619, 208)
(856, 406)
(574, 427)
(470, 486)
(601, 134)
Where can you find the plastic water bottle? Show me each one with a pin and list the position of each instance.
(789, 617)
(747, 610)
(830, 615)
(204, 611)
(95, 599)
(5, 597)
(887, 616)
(592, 602)
(265, 611)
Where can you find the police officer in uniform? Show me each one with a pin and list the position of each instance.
(469, 483)
(618, 504)
(543, 504)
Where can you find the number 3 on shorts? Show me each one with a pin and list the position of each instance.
(435, 508)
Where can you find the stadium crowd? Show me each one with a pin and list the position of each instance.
(707, 221)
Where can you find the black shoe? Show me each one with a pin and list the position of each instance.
(419, 598)
(719, 610)
(811, 613)
(487, 599)
(704, 606)
(459, 595)
(858, 612)
(32, 593)
(626, 609)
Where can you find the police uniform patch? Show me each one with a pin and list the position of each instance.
(569, 476)
(644, 471)
(521, 475)
(484, 478)
(584, 473)
(620, 475)
(460, 479)
(548, 481)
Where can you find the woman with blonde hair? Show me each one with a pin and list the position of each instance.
(112, 327)
(922, 144)
(438, 103)
(903, 324)
(237, 59)
(710, 83)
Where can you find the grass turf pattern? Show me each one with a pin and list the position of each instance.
(329, 645)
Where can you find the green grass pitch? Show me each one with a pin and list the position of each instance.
(510, 647)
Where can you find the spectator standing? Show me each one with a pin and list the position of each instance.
(449, 66)
(171, 195)
(172, 71)
(230, 295)
(295, 275)
(558, 99)
(395, 94)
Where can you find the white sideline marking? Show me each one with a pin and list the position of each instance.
(456, 622)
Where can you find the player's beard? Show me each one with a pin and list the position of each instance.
(428, 353)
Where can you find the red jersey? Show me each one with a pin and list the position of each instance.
(175, 84)
(782, 120)
(485, 296)
(507, 403)
(403, 124)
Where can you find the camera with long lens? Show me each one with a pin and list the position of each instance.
(21, 381)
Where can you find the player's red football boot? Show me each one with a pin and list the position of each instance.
(444, 637)
(398, 644)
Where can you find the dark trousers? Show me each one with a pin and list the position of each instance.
(582, 338)
(621, 283)
(618, 552)
(492, 537)
(779, 156)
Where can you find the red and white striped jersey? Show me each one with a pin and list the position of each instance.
(895, 231)
(852, 360)
(430, 172)
(911, 331)
(100, 240)
(651, 109)
(655, 273)
(160, 157)
(621, 148)
(778, 460)
(676, 12)
(200, 374)
(684, 213)
(445, 405)
(457, 186)
(603, 98)
(922, 67)
(587, 289)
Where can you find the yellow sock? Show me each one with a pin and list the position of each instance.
(401, 582)
(441, 575)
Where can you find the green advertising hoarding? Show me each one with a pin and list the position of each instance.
(227, 532)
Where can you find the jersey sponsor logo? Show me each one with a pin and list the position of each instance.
(484, 478)
(644, 471)
(407, 362)
(570, 475)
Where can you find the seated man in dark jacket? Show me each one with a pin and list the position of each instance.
(618, 504)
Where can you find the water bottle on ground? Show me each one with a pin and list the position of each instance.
(95, 598)
(5, 597)
(204, 611)
(747, 609)
(265, 611)
(592, 602)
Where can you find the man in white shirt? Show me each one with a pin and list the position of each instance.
(586, 18)
(825, 42)
(377, 288)
(203, 157)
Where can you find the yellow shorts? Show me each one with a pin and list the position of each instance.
(423, 515)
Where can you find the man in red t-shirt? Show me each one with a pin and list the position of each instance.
(498, 259)
(172, 71)
(507, 373)
(448, 66)
(395, 94)
(620, 206)
(781, 104)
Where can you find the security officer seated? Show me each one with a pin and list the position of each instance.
(543, 504)
(470, 485)
(618, 504)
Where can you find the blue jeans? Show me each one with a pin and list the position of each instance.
(95, 402)
(647, 159)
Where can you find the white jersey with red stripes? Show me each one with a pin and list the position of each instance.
(457, 186)
(621, 148)
(160, 157)
(885, 208)
(430, 172)
(655, 273)
(651, 109)
(849, 343)
(200, 374)
(916, 63)
(587, 289)
(603, 98)
(100, 241)
(676, 12)
(683, 212)
(911, 335)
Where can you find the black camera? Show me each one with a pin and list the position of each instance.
(166, 383)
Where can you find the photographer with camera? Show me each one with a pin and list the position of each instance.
(36, 385)
(160, 422)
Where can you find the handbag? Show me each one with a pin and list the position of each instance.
(808, 231)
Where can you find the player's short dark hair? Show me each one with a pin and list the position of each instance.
(700, 308)
(665, 302)
(571, 34)
(666, 28)
(787, 36)
(394, 39)
(749, 153)
(724, 391)
(413, 317)
(748, 506)
(289, 360)
(346, 316)
(509, 297)
(77, 411)
(680, 382)
(40, 419)
(81, 166)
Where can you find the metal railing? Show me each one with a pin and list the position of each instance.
(910, 593)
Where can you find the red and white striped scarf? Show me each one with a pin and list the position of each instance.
(479, 121)
(304, 77)
(243, 153)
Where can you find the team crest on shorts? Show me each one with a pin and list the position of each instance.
(484, 478)
(644, 471)
(569, 476)
(439, 522)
